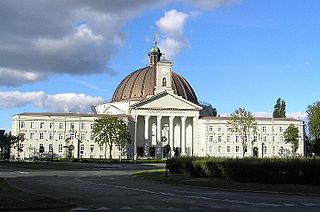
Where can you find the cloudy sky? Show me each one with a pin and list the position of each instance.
(63, 56)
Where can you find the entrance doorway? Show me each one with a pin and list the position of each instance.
(255, 152)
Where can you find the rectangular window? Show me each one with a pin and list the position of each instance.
(210, 128)
(255, 138)
(41, 125)
(280, 129)
(219, 138)
(281, 138)
(101, 148)
(81, 149)
(210, 149)
(31, 136)
(50, 147)
(210, 138)
(228, 149)
(272, 138)
(264, 149)
(72, 126)
(50, 136)
(140, 151)
(71, 136)
(91, 136)
(61, 125)
(219, 129)
(91, 126)
(41, 136)
(237, 138)
(83, 126)
(22, 124)
(32, 125)
(237, 149)
(264, 129)
(60, 136)
(51, 125)
(60, 148)
(264, 138)
(219, 149)
(273, 150)
(228, 138)
(82, 137)
(91, 149)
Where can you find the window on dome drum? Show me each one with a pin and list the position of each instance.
(60, 148)
(41, 125)
(164, 82)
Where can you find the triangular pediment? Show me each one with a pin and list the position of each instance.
(165, 100)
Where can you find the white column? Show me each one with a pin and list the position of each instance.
(135, 137)
(171, 132)
(183, 135)
(159, 129)
(146, 127)
(195, 119)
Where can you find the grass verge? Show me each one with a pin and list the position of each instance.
(13, 199)
(223, 184)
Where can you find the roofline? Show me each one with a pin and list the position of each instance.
(256, 118)
(48, 114)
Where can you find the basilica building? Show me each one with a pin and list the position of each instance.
(164, 118)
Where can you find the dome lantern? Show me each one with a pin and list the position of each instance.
(154, 53)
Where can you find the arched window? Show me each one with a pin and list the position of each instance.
(164, 82)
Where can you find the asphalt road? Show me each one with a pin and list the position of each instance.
(114, 187)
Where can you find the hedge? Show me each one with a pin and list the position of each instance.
(266, 170)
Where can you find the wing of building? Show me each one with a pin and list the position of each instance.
(161, 110)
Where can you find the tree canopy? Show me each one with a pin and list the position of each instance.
(243, 123)
(279, 109)
(291, 136)
(313, 112)
(111, 131)
(6, 143)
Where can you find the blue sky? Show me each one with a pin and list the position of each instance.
(234, 53)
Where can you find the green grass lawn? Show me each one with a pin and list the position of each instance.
(14, 199)
(223, 184)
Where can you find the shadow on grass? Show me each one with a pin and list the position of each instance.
(14, 199)
(223, 184)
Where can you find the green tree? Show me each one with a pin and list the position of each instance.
(123, 138)
(243, 123)
(313, 112)
(111, 131)
(6, 143)
(291, 136)
(279, 109)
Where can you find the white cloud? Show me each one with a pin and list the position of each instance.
(63, 102)
(172, 26)
(10, 77)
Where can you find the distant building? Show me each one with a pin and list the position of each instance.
(161, 109)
